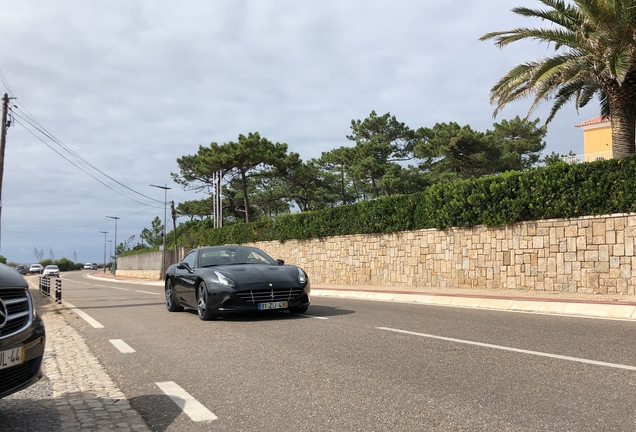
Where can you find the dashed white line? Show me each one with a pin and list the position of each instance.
(84, 315)
(316, 317)
(148, 292)
(122, 346)
(518, 350)
(189, 405)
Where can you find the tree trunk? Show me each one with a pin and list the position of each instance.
(622, 102)
(246, 201)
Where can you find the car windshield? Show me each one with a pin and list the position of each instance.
(51, 267)
(229, 255)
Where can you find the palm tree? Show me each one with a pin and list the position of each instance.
(595, 46)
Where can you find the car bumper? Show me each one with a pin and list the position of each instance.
(19, 377)
(225, 303)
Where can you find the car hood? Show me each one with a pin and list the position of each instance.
(9, 278)
(256, 276)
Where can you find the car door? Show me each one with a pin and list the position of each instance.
(185, 280)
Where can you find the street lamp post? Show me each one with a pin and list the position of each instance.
(110, 251)
(165, 205)
(116, 219)
(104, 232)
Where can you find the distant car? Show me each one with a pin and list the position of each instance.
(52, 270)
(21, 269)
(36, 268)
(90, 266)
(22, 335)
(221, 280)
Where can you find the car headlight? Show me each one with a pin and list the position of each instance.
(224, 280)
(302, 277)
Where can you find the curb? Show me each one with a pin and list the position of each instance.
(623, 311)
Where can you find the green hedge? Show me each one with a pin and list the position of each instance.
(557, 191)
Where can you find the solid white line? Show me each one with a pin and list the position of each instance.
(122, 346)
(522, 351)
(148, 292)
(189, 405)
(83, 314)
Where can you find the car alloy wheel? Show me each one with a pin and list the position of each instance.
(171, 304)
(202, 303)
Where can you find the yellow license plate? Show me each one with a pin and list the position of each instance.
(12, 357)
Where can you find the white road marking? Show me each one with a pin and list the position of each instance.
(83, 314)
(517, 350)
(311, 316)
(148, 292)
(189, 405)
(122, 346)
(121, 289)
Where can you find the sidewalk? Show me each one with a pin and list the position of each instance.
(616, 306)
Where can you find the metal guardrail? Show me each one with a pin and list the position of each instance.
(589, 157)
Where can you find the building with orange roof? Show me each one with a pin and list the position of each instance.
(597, 139)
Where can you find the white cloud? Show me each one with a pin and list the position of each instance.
(132, 86)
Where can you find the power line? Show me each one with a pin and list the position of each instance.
(31, 121)
(84, 170)
(73, 227)
(26, 116)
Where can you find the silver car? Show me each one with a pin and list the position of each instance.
(52, 270)
(36, 268)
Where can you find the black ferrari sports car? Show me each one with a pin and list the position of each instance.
(220, 280)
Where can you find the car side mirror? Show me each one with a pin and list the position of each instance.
(184, 266)
(280, 262)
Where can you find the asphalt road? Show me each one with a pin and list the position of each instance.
(360, 365)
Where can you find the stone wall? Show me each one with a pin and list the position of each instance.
(588, 254)
(145, 266)
(140, 274)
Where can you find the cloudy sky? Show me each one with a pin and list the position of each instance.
(130, 86)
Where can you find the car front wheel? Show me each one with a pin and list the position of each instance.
(171, 304)
(203, 306)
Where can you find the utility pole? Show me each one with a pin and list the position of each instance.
(174, 224)
(3, 141)
(114, 268)
(165, 206)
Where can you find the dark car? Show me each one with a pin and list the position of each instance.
(22, 335)
(221, 280)
(21, 269)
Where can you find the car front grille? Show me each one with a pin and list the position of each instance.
(18, 306)
(270, 295)
(16, 376)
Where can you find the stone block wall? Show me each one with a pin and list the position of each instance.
(588, 255)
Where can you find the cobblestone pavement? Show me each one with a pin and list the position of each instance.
(76, 393)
